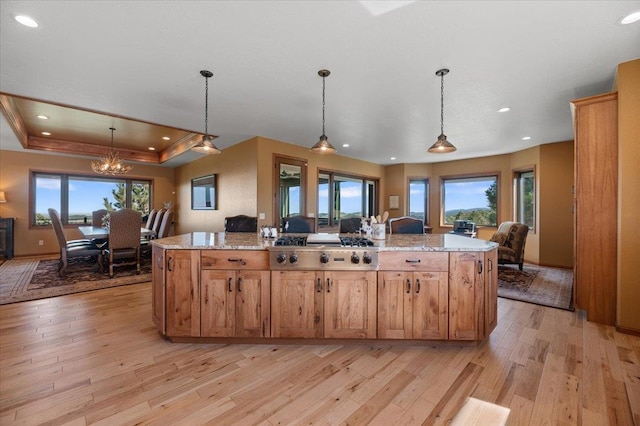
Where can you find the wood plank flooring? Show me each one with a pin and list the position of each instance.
(96, 358)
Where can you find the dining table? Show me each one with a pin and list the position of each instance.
(102, 233)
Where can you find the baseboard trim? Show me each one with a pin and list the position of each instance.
(627, 330)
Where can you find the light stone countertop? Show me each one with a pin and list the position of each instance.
(250, 241)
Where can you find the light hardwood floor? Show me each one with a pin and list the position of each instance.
(96, 358)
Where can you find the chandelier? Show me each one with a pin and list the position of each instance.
(442, 145)
(323, 146)
(110, 164)
(206, 146)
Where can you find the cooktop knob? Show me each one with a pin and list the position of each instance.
(355, 258)
(324, 258)
(281, 258)
(293, 258)
(366, 258)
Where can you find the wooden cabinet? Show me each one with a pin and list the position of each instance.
(235, 294)
(490, 293)
(158, 311)
(310, 304)
(182, 292)
(466, 295)
(595, 206)
(413, 304)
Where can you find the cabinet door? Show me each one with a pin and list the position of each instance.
(218, 303)
(490, 291)
(463, 278)
(296, 304)
(430, 302)
(183, 295)
(252, 303)
(157, 289)
(350, 305)
(394, 305)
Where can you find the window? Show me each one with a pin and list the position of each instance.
(342, 196)
(419, 199)
(525, 197)
(473, 198)
(76, 196)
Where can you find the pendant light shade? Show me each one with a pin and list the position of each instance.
(442, 145)
(206, 146)
(323, 146)
(111, 163)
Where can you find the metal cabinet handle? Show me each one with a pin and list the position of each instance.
(418, 286)
(490, 264)
(412, 260)
(408, 285)
(479, 266)
(159, 261)
(169, 264)
(319, 286)
(328, 285)
(229, 285)
(239, 285)
(237, 260)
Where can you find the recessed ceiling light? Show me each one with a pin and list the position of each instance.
(27, 21)
(392, 158)
(345, 145)
(46, 133)
(42, 117)
(504, 109)
(166, 138)
(630, 18)
(152, 148)
(526, 138)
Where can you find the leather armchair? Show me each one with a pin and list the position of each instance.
(511, 237)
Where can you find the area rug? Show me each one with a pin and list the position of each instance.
(539, 285)
(31, 279)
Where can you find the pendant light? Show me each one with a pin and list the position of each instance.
(442, 145)
(110, 164)
(323, 146)
(206, 146)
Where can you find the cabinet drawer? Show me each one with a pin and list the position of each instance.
(413, 261)
(234, 259)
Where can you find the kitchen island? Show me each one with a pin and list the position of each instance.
(239, 287)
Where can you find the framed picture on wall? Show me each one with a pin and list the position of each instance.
(203, 193)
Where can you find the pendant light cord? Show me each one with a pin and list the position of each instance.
(206, 105)
(112, 130)
(323, 105)
(442, 104)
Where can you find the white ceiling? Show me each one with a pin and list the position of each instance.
(142, 59)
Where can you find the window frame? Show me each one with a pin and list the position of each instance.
(427, 192)
(369, 202)
(64, 193)
(469, 176)
(517, 175)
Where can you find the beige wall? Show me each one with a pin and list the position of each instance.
(628, 82)
(14, 180)
(555, 202)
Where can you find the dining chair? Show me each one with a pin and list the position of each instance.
(350, 225)
(124, 239)
(241, 223)
(165, 226)
(151, 218)
(300, 224)
(406, 225)
(157, 221)
(72, 248)
(97, 216)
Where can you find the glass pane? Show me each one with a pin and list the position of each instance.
(526, 198)
(140, 197)
(323, 199)
(418, 199)
(473, 199)
(48, 194)
(203, 193)
(291, 202)
(347, 197)
(87, 195)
